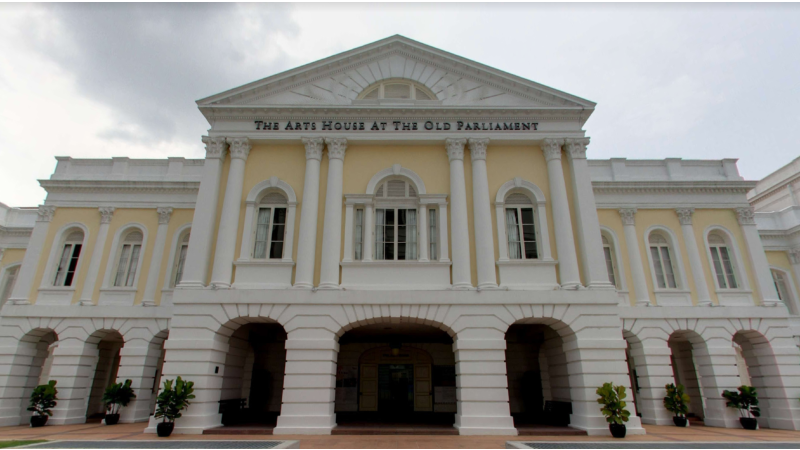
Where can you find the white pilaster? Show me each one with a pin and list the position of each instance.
(205, 215)
(591, 245)
(641, 294)
(758, 259)
(695, 264)
(164, 215)
(229, 219)
(462, 277)
(422, 226)
(481, 209)
(332, 230)
(565, 240)
(106, 212)
(368, 238)
(348, 232)
(24, 283)
(444, 248)
(307, 244)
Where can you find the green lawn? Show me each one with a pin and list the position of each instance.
(9, 444)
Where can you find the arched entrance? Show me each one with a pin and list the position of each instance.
(38, 345)
(105, 374)
(685, 370)
(393, 376)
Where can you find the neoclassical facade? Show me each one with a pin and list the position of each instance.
(396, 229)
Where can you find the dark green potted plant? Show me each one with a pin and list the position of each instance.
(43, 399)
(116, 396)
(677, 402)
(611, 397)
(746, 401)
(170, 402)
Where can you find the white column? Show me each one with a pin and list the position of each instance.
(481, 209)
(758, 259)
(462, 276)
(368, 238)
(307, 244)
(593, 259)
(444, 247)
(164, 215)
(422, 227)
(695, 264)
(640, 292)
(348, 232)
(332, 230)
(205, 215)
(106, 212)
(27, 271)
(229, 219)
(565, 240)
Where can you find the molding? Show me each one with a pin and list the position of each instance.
(685, 215)
(477, 148)
(520, 184)
(746, 216)
(215, 147)
(313, 147)
(336, 148)
(552, 149)
(272, 183)
(396, 170)
(455, 148)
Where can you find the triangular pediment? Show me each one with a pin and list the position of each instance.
(338, 80)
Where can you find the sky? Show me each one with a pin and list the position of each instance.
(687, 81)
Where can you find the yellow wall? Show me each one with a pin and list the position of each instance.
(180, 217)
(12, 256)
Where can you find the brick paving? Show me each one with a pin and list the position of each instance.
(655, 433)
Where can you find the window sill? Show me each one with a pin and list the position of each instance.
(527, 262)
(57, 288)
(264, 262)
(733, 291)
(735, 297)
(671, 291)
(394, 263)
(118, 289)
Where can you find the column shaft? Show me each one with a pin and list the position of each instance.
(332, 231)
(462, 276)
(30, 262)
(481, 209)
(758, 259)
(695, 264)
(90, 283)
(151, 287)
(348, 235)
(205, 215)
(368, 238)
(565, 240)
(640, 291)
(309, 211)
(422, 226)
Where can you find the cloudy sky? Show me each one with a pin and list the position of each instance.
(690, 81)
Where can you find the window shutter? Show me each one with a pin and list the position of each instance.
(396, 188)
(518, 199)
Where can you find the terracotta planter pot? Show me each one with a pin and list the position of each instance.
(680, 421)
(617, 430)
(112, 419)
(38, 421)
(749, 423)
(164, 429)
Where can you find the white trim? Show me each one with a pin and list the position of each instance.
(738, 269)
(113, 259)
(176, 238)
(55, 252)
(622, 284)
(538, 203)
(272, 183)
(396, 171)
(664, 296)
(250, 216)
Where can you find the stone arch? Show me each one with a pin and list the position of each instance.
(32, 362)
(523, 186)
(396, 171)
(689, 352)
(106, 344)
(271, 184)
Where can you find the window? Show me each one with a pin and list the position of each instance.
(8, 283)
(397, 89)
(780, 286)
(358, 234)
(128, 259)
(662, 262)
(520, 227)
(180, 259)
(608, 251)
(432, 237)
(395, 221)
(68, 262)
(270, 229)
(721, 258)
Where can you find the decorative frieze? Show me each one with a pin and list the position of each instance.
(746, 215)
(314, 147)
(576, 148)
(628, 216)
(239, 148)
(46, 213)
(164, 214)
(336, 147)
(215, 147)
(552, 148)
(685, 215)
(477, 148)
(106, 213)
(455, 148)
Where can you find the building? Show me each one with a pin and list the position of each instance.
(399, 229)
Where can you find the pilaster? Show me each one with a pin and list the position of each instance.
(27, 271)
(164, 214)
(565, 240)
(641, 294)
(758, 259)
(106, 213)
(695, 264)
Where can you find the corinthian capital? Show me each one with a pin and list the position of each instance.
(239, 147)
(314, 147)
(164, 214)
(628, 216)
(552, 148)
(685, 215)
(576, 148)
(215, 147)
(794, 256)
(106, 213)
(477, 148)
(336, 147)
(455, 148)
(46, 213)
(746, 216)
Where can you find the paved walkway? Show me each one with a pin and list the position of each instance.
(126, 432)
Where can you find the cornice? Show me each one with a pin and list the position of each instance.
(15, 231)
(105, 186)
(682, 187)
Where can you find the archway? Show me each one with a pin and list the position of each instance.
(38, 344)
(538, 378)
(393, 376)
(633, 346)
(684, 369)
(252, 382)
(109, 344)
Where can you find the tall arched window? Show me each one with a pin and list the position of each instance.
(722, 259)
(270, 228)
(781, 286)
(68, 262)
(395, 221)
(662, 261)
(521, 227)
(608, 251)
(180, 258)
(130, 249)
(9, 279)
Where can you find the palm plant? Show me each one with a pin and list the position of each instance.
(676, 401)
(43, 399)
(171, 401)
(746, 401)
(118, 395)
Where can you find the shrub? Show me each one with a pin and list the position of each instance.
(43, 399)
(611, 397)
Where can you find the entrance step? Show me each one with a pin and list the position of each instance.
(241, 429)
(548, 430)
(391, 429)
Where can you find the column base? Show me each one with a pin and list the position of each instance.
(573, 286)
(219, 285)
(643, 303)
(306, 286)
(462, 287)
(20, 302)
(329, 286)
(488, 287)
(191, 285)
(148, 303)
(86, 303)
(600, 286)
